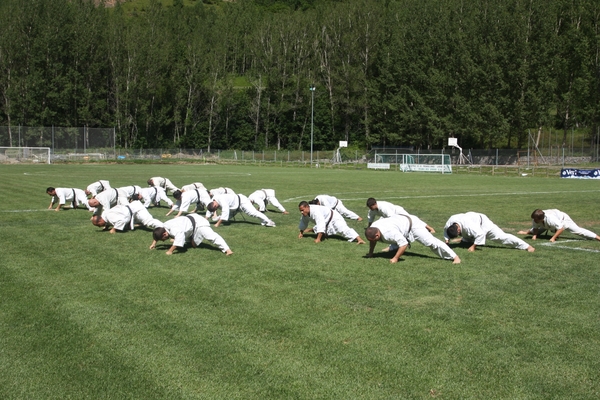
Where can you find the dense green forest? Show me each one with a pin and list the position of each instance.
(237, 74)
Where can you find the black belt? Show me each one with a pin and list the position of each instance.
(74, 204)
(266, 196)
(193, 225)
(199, 204)
(239, 204)
(130, 217)
(407, 236)
(101, 186)
(328, 221)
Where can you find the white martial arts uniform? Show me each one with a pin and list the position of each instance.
(110, 198)
(181, 230)
(220, 190)
(71, 195)
(328, 222)
(154, 195)
(555, 219)
(121, 216)
(230, 204)
(385, 209)
(164, 183)
(262, 197)
(192, 186)
(131, 191)
(191, 196)
(335, 204)
(98, 187)
(400, 230)
(476, 228)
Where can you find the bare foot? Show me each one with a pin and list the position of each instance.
(456, 260)
(530, 249)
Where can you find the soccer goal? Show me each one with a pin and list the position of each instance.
(418, 162)
(10, 155)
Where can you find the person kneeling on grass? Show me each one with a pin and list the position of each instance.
(327, 222)
(556, 221)
(399, 231)
(475, 228)
(192, 228)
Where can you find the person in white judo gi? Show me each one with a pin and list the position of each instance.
(402, 229)
(327, 222)
(192, 186)
(153, 196)
(107, 199)
(64, 195)
(220, 190)
(131, 191)
(121, 217)
(189, 228)
(164, 183)
(97, 187)
(335, 204)
(231, 204)
(199, 197)
(557, 222)
(386, 209)
(475, 228)
(262, 197)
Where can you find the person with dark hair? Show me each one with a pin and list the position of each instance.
(97, 187)
(153, 196)
(555, 221)
(262, 197)
(64, 195)
(131, 191)
(327, 222)
(192, 186)
(401, 230)
(475, 228)
(386, 209)
(107, 199)
(199, 197)
(164, 183)
(230, 204)
(336, 204)
(190, 228)
(220, 190)
(122, 216)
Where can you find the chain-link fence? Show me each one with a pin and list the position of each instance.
(96, 144)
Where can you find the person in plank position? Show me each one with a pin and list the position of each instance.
(475, 228)
(555, 221)
(121, 217)
(189, 228)
(327, 222)
(401, 230)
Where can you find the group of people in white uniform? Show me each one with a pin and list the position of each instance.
(121, 208)
(118, 209)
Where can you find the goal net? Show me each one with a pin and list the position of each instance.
(25, 155)
(418, 162)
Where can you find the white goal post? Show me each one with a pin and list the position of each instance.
(25, 155)
(417, 162)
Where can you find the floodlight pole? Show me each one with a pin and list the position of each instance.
(312, 120)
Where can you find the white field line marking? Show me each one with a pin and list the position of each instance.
(454, 195)
(20, 211)
(550, 244)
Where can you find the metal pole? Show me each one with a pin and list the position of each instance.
(312, 121)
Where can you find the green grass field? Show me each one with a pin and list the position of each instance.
(86, 314)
